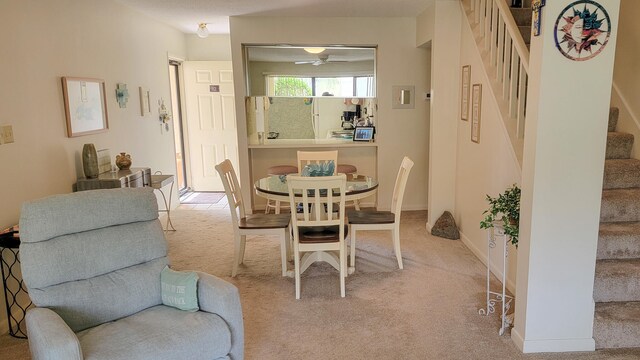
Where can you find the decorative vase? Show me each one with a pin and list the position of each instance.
(123, 161)
(90, 161)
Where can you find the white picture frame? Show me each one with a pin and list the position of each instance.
(465, 92)
(476, 112)
(145, 102)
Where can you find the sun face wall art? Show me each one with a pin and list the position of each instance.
(582, 30)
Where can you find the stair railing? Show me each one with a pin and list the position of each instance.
(509, 56)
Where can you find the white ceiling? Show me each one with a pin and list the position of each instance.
(185, 15)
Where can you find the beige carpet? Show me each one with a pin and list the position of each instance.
(427, 311)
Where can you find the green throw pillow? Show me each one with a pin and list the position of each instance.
(179, 289)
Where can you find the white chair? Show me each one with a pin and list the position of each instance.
(382, 220)
(257, 224)
(317, 157)
(317, 233)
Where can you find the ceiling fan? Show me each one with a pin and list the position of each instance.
(322, 59)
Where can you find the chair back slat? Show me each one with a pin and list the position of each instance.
(232, 190)
(399, 187)
(315, 192)
(317, 157)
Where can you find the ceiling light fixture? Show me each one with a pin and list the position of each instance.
(202, 31)
(314, 50)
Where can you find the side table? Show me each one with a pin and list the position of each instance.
(494, 297)
(158, 181)
(14, 288)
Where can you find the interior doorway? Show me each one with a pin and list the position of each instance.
(176, 109)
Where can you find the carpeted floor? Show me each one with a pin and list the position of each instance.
(427, 311)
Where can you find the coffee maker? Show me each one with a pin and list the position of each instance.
(348, 118)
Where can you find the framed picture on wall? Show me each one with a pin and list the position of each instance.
(465, 92)
(84, 106)
(145, 103)
(476, 112)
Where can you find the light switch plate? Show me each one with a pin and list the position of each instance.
(7, 134)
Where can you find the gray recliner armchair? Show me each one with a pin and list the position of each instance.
(92, 261)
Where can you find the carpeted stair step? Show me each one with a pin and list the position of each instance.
(619, 240)
(526, 33)
(621, 173)
(620, 205)
(619, 145)
(522, 16)
(613, 118)
(617, 325)
(617, 280)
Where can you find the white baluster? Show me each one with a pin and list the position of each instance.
(506, 83)
(513, 92)
(501, 45)
(522, 98)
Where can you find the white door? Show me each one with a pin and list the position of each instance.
(211, 121)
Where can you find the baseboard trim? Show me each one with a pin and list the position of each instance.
(414, 207)
(429, 227)
(551, 345)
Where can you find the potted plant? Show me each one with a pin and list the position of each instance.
(505, 211)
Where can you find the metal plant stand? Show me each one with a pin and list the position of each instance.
(15, 291)
(493, 297)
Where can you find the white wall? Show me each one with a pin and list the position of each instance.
(399, 62)
(445, 45)
(425, 25)
(44, 40)
(482, 168)
(561, 191)
(215, 47)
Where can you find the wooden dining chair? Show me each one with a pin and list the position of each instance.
(318, 234)
(317, 157)
(382, 220)
(257, 224)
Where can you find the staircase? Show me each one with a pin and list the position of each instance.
(617, 281)
(522, 16)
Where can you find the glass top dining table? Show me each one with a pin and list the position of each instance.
(275, 187)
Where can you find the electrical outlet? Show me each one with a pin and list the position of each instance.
(7, 134)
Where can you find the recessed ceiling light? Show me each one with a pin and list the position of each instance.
(314, 50)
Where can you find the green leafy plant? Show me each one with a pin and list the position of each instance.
(291, 86)
(506, 209)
